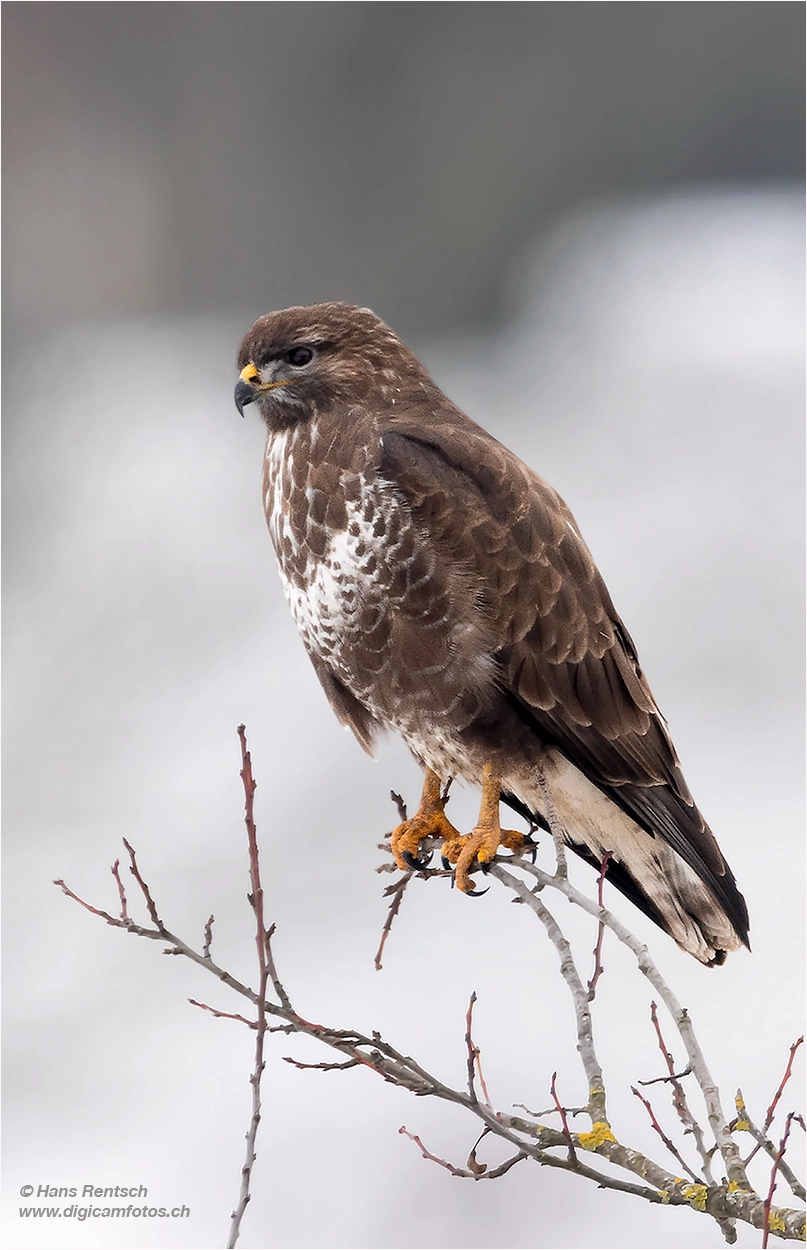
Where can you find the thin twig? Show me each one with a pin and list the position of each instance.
(224, 1015)
(568, 970)
(746, 1124)
(474, 1059)
(667, 1141)
(679, 1098)
(564, 1122)
(769, 1114)
(666, 1080)
(711, 1094)
(777, 1162)
(598, 968)
(261, 942)
(321, 1067)
(135, 871)
(396, 890)
(124, 910)
(208, 939)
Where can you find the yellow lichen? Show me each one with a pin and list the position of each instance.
(696, 1196)
(600, 1132)
(742, 1126)
(775, 1223)
(665, 1195)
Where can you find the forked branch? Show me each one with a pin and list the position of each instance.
(558, 1146)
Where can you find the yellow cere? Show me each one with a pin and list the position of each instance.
(249, 372)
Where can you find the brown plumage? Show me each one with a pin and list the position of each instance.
(443, 589)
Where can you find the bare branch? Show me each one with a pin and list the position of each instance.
(527, 1137)
(746, 1124)
(769, 1114)
(124, 911)
(396, 891)
(767, 1225)
(727, 1145)
(667, 1142)
(135, 871)
(562, 1113)
(264, 956)
(598, 968)
(208, 939)
(679, 1099)
(322, 1067)
(224, 1015)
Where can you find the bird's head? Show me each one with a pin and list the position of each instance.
(304, 359)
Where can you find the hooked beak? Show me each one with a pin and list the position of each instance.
(248, 388)
(245, 390)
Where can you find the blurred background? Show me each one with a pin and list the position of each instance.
(587, 219)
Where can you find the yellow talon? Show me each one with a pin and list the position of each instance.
(430, 821)
(482, 843)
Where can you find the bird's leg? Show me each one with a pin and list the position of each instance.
(428, 822)
(484, 841)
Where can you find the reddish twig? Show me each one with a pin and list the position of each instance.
(788, 1070)
(474, 1062)
(322, 1067)
(598, 968)
(397, 891)
(96, 911)
(262, 936)
(124, 911)
(667, 1141)
(769, 1114)
(766, 1219)
(679, 1098)
(277, 984)
(224, 1015)
(480, 1174)
(427, 1154)
(135, 871)
(744, 1123)
(564, 1122)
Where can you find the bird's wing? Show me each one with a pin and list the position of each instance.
(349, 710)
(567, 664)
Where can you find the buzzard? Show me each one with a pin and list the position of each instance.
(443, 589)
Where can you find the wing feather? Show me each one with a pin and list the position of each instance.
(566, 661)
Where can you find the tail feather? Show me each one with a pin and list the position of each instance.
(705, 915)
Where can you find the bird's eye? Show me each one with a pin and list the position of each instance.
(299, 356)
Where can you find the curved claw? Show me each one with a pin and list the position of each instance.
(476, 893)
(446, 863)
(531, 845)
(417, 865)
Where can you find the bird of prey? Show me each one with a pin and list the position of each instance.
(443, 589)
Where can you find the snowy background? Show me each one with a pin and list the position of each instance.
(652, 371)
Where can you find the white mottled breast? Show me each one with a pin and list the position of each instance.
(326, 592)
